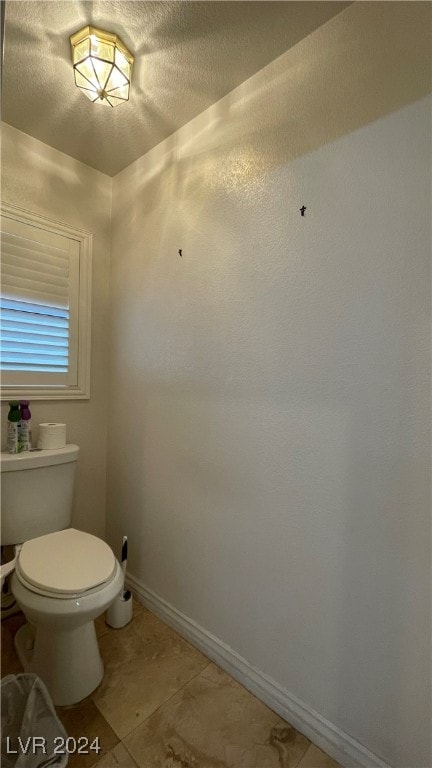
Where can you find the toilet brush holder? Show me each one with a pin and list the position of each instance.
(120, 611)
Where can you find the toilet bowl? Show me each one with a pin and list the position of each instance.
(62, 582)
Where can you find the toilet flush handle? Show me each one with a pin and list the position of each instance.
(7, 568)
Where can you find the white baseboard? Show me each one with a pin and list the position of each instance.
(341, 747)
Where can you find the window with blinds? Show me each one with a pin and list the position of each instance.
(44, 307)
(35, 337)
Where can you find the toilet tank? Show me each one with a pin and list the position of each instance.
(36, 493)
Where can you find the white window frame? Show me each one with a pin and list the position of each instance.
(80, 389)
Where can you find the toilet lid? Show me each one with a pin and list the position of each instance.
(66, 562)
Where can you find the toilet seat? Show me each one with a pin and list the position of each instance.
(65, 564)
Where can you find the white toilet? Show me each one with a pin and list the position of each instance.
(63, 578)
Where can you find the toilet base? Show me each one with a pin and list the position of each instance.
(24, 642)
(68, 662)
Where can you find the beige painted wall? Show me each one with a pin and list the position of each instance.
(45, 181)
(269, 420)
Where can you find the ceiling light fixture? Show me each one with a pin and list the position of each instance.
(102, 66)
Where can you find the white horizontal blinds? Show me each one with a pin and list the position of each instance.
(35, 300)
(36, 271)
(34, 337)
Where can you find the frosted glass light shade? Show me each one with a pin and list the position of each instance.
(102, 66)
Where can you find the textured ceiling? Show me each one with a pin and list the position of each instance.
(188, 55)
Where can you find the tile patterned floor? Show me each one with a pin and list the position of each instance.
(162, 704)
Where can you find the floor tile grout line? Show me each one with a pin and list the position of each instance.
(95, 765)
(130, 755)
(162, 704)
(304, 753)
(120, 738)
(168, 699)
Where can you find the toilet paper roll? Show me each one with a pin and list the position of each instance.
(51, 436)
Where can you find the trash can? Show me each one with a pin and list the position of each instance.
(32, 736)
